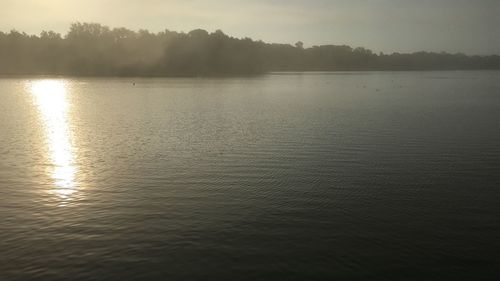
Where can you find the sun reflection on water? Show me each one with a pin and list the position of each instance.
(50, 97)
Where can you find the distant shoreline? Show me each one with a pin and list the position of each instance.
(277, 73)
(94, 50)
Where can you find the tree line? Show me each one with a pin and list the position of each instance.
(92, 49)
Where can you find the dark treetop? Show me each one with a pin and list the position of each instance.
(96, 50)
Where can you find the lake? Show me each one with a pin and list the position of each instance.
(287, 176)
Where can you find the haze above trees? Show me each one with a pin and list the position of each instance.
(91, 49)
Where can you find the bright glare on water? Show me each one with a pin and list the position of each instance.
(291, 176)
(50, 98)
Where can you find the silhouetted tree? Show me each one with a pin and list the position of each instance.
(94, 49)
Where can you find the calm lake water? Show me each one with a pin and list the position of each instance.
(298, 176)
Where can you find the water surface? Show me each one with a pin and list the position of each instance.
(298, 176)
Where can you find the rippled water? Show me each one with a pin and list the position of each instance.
(299, 176)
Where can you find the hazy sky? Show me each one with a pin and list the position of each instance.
(470, 26)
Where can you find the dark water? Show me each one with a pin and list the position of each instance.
(333, 176)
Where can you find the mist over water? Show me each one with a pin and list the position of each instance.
(287, 176)
(92, 49)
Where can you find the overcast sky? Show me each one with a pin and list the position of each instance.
(469, 26)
